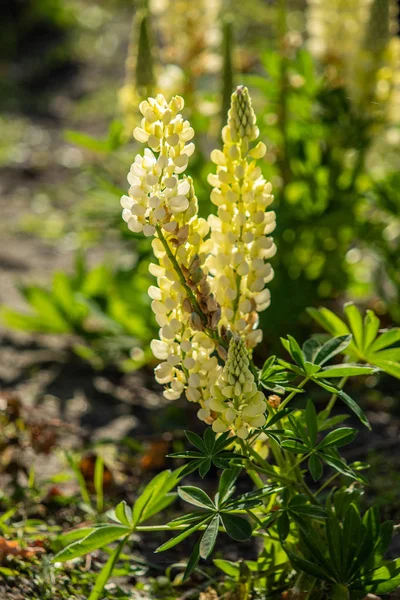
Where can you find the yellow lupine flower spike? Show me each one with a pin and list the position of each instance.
(164, 205)
(239, 245)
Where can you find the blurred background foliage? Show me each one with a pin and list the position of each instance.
(325, 79)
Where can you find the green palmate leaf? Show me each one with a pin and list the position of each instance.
(283, 526)
(226, 484)
(154, 496)
(192, 562)
(382, 351)
(385, 579)
(196, 496)
(307, 566)
(209, 440)
(329, 321)
(99, 538)
(383, 542)
(389, 366)
(106, 572)
(295, 447)
(334, 539)
(371, 328)
(351, 537)
(194, 517)
(209, 537)
(182, 535)
(196, 441)
(350, 403)
(338, 437)
(204, 467)
(337, 464)
(295, 351)
(311, 421)
(228, 567)
(316, 546)
(237, 528)
(73, 536)
(123, 514)
(354, 318)
(311, 369)
(311, 348)
(315, 467)
(331, 348)
(277, 417)
(344, 370)
(266, 370)
(386, 339)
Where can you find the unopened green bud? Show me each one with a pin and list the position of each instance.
(241, 116)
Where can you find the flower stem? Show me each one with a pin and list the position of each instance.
(293, 394)
(210, 332)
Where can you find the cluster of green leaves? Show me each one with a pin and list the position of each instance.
(221, 511)
(156, 496)
(304, 440)
(309, 362)
(348, 552)
(368, 343)
(209, 451)
(95, 307)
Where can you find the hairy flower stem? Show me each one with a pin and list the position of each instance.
(210, 332)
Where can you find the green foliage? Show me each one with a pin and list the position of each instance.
(209, 450)
(221, 511)
(349, 553)
(95, 306)
(155, 497)
(381, 349)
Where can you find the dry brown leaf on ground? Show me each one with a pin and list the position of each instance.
(13, 548)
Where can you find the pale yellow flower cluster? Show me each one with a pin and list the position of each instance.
(239, 245)
(189, 34)
(211, 276)
(235, 398)
(163, 204)
(157, 195)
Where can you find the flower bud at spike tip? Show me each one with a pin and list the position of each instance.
(243, 407)
(241, 117)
